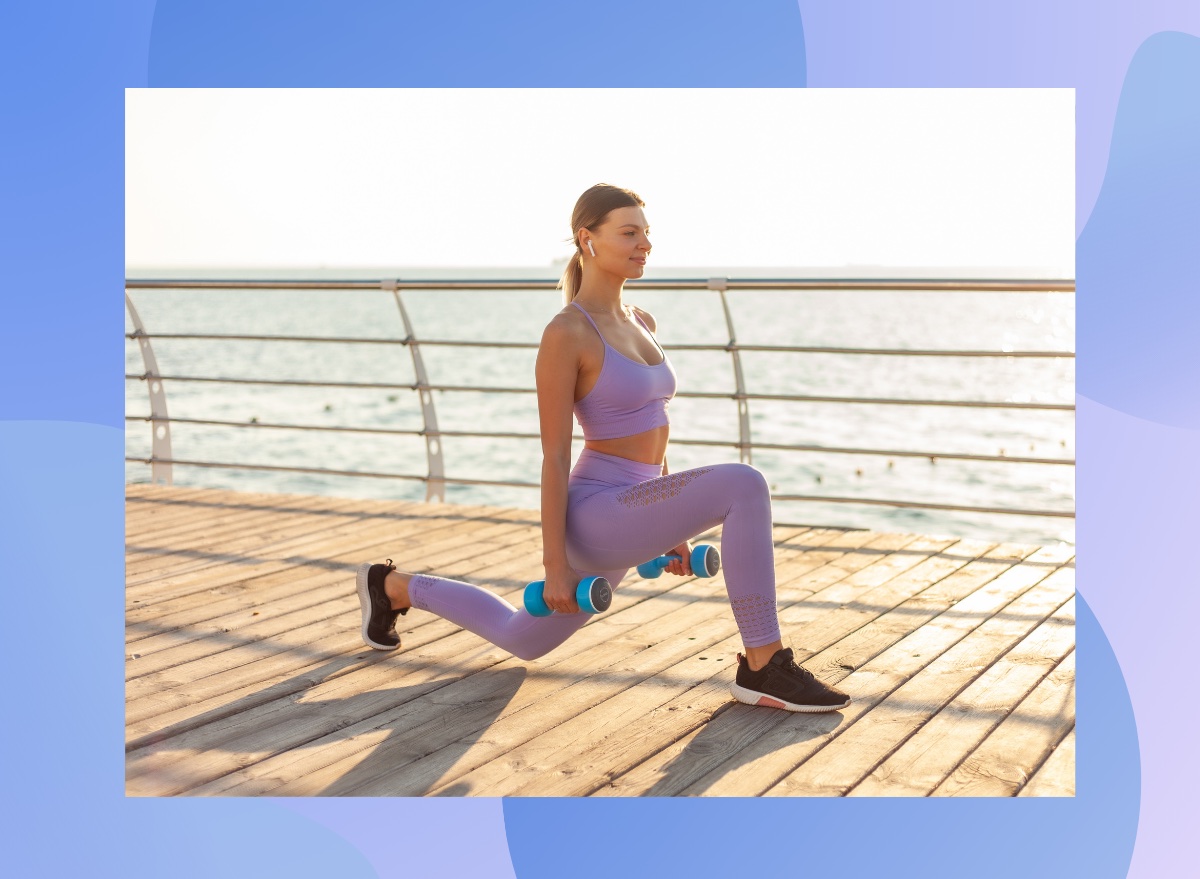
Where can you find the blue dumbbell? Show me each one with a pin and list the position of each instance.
(594, 595)
(706, 561)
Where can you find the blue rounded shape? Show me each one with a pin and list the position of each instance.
(1138, 305)
(706, 561)
(534, 603)
(594, 594)
(650, 570)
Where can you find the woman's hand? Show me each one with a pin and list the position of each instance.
(559, 591)
(682, 566)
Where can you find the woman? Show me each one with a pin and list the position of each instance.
(619, 506)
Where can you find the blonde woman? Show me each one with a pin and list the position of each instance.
(619, 505)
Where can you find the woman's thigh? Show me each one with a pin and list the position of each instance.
(623, 526)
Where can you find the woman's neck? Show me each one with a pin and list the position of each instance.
(594, 305)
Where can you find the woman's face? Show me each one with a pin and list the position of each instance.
(622, 242)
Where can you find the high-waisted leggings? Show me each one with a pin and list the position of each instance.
(621, 513)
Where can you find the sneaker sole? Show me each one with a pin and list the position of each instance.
(364, 602)
(753, 697)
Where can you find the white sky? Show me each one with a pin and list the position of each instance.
(488, 177)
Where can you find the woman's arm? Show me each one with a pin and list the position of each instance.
(556, 372)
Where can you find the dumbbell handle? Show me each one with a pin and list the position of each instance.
(705, 559)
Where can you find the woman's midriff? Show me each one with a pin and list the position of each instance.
(647, 447)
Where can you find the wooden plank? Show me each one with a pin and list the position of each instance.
(143, 497)
(585, 677)
(155, 516)
(665, 723)
(470, 705)
(188, 523)
(227, 568)
(1056, 777)
(188, 544)
(529, 762)
(433, 628)
(1021, 743)
(360, 719)
(181, 686)
(189, 644)
(874, 734)
(304, 550)
(194, 608)
(897, 641)
(144, 621)
(240, 572)
(219, 748)
(473, 688)
(454, 650)
(199, 692)
(148, 512)
(201, 548)
(925, 759)
(673, 747)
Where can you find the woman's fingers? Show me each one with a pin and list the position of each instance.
(679, 568)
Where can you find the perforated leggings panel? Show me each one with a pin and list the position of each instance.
(619, 514)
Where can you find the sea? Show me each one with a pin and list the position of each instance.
(918, 319)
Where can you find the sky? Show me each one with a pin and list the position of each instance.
(328, 178)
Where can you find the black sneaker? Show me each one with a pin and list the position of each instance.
(378, 618)
(783, 684)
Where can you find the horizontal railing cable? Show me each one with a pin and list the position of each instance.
(1065, 514)
(511, 484)
(698, 395)
(891, 453)
(1050, 285)
(532, 346)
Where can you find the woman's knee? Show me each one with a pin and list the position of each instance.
(747, 478)
(529, 654)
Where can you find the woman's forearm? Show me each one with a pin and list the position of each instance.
(554, 512)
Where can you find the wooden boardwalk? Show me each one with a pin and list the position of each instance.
(246, 674)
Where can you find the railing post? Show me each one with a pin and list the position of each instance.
(435, 485)
(745, 443)
(160, 425)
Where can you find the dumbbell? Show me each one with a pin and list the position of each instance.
(593, 594)
(706, 561)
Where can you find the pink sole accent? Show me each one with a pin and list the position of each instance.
(769, 702)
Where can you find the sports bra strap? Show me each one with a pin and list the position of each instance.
(653, 337)
(588, 316)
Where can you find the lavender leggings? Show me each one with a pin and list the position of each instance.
(621, 513)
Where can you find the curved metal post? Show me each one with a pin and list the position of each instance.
(160, 425)
(435, 486)
(744, 441)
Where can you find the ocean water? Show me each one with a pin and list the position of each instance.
(862, 319)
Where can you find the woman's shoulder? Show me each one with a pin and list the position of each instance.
(566, 328)
(646, 317)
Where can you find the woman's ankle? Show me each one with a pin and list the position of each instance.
(395, 586)
(757, 657)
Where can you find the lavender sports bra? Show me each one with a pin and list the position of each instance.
(629, 397)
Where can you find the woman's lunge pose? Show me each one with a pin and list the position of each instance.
(619, 505)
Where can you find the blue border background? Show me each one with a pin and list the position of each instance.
(1135, 70)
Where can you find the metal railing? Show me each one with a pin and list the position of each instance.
(435, 478)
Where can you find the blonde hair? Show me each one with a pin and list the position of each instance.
(591, 210)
